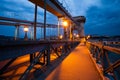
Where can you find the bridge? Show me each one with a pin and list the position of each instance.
(64, 58)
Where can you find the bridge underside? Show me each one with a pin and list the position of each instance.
(54, 7)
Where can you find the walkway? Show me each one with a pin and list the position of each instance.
(78, 65)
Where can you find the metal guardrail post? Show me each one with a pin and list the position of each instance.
(7, 65)
(48, 55)
(103, 57)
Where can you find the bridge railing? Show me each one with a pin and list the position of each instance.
(39, 51)
(108, 57)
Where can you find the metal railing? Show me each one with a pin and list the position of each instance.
(40, 53)
(108, 57)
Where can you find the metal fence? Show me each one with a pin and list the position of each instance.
(108, 57)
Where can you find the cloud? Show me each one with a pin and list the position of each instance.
(104, 20)
(23, 9)
(102, 15)
(80, 7)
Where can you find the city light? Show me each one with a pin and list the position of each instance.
(77, 35)
(88, 36)
(65, 23)
(74, 34)
(61, 37)
(26, 29)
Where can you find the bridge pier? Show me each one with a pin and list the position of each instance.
(44, 19)
(58, 27)
(35, 21)
(17, 32)
(80, 20)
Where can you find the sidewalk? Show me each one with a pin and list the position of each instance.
(78, 65)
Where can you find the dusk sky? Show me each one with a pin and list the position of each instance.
(102, 16)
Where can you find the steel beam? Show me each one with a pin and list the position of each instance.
(14, 22)
(54, 7)
(44, 19)
(35, 21)
(18, 48)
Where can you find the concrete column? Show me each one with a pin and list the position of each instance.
(35, 21)
(44, 19)
(17, 32)
(58, 27)
(31, 33)
(81, 29)
(70, 36)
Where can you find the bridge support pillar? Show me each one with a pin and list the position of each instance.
(44, 19)
(35, 21)
(17, 32)
(70, 36)
(65, 33)
(80, 25)
(58, 27)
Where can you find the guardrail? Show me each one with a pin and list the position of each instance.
(44, 50)
(108, 57)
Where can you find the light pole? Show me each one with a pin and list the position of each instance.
(65, 25)
(25, 30)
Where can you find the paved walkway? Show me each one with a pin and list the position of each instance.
(78, 65)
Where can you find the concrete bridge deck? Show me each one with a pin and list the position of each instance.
(78, 65)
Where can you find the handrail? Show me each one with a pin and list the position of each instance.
(112, 49)
(103, 55)
(37, 50)
(11, 47)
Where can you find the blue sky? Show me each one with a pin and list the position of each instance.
(102, 16)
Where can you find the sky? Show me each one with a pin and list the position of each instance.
(102, 16)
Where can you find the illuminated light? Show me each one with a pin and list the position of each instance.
(74, 34)
(65, 24)
(60, 36)
(77, 35)
(88, 36)
(61, 47)
(26, 29)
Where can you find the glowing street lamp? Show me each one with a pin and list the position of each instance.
(26, 30)
(61, 37)
(77, 35)
(65, 25)
(88, 36)
(74, 34)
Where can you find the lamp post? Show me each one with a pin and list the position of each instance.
(65, 25)
(25, 30)
(60, 37)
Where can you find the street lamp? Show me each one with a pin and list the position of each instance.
(60, 37)
(77, 35)
(65, 25)
(26, 30)
(88, 36)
